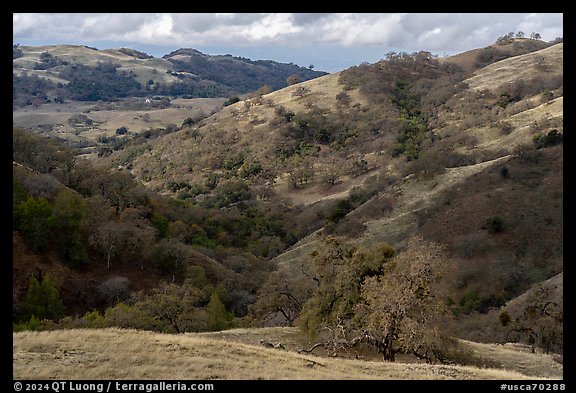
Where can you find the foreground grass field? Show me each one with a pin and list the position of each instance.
(234, 354)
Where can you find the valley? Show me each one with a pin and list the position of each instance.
(409, 210)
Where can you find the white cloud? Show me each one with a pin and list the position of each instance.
(160, 28)
(430, 34)
(353, 29)
(109, 26)
(548, 25)
(271, 26)
(435, 32)
(23, 24)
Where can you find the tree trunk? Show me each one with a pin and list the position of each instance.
(387, 351)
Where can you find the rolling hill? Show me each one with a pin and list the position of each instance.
(465, 152)
(310, 150)
(56, 73)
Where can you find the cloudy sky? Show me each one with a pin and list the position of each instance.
(329, 41)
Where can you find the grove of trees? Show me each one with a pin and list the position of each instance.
(101, 221)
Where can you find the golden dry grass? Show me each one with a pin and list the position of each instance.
(323, 91)
(106, 122)
(514, 68)
(143, 69)
(131, 354)
(519, 358)
(411, 196)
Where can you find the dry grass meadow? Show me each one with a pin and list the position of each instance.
(236, 354)
(106, 121)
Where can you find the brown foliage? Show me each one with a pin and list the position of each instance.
(397, 305)
(405, 307)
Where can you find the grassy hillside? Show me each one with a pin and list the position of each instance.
(83, 95)
(237, 73)
(502, 49)
(464, 154)
(472, 135)
(142, 67)
(477, 150)
(80, 354)
(259, 126)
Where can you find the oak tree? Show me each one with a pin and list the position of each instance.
(395, 303)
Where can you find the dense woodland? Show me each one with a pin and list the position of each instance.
(239, 74)
(200, 259)
(95, 220)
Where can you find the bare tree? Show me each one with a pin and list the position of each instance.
(41, 185)
(293, 79)
(117, 187)
(140, 236)
(113, 290)
(301, 171)
(171, 256)
(282, 295)
(108, 239)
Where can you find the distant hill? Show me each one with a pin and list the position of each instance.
(56, 73)
(239, 73)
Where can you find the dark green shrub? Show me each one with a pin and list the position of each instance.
(33, 324)
(342, 208)
(343, 98)
(495, 224)
(43, 300)
(35, 222)
(231, 100)
(472, 300)
(229, 193)
(249, 170)
(161, 224)
(552, 138)
(218, 317)
(546, 96)
(504, 318)
(188, 122)
(504, 100)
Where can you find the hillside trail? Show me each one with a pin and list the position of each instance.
(316, 193)
(411, 196)
(414, 195)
